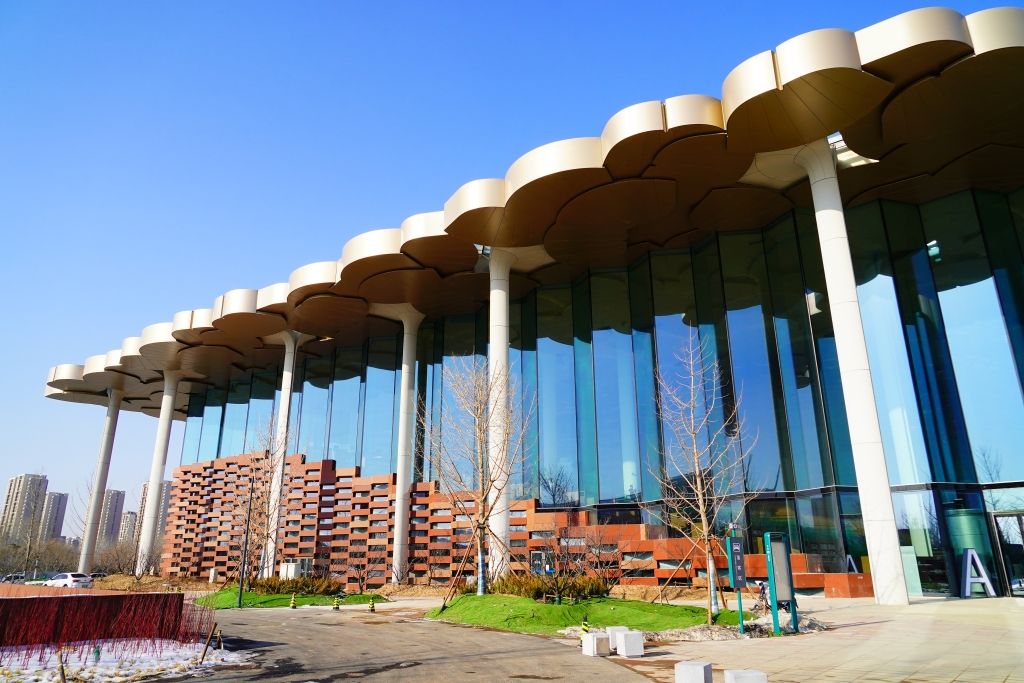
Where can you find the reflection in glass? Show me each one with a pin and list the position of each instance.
(379, 406)
(213, 413)
(259, 426)
(920, 537)
(312, 425)
(586, 418)
(986, 375)
(753, 371)
(641, 307)
(193, 428)
(345, 408)
(232, 439)
(967, 525)
(556, 398)
(529, 405)
(617, 447)
(819, 530)
(895, 398)
(797, 366)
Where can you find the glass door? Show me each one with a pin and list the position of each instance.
(1010, 528)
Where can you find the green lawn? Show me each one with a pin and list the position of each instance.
(524, 615)
(228, 597)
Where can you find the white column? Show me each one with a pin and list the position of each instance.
(151, 515)
(411, 319)
(861, 413)
(99, 482)
(279, 448)
(499, 267)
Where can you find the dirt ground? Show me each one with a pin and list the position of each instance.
(149, 584)
(652, 593)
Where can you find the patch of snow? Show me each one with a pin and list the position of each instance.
(128, 661)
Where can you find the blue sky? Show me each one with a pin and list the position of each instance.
(156, 155)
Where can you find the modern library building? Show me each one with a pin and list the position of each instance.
(842, 237)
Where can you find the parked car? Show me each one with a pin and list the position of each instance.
(70, 580)
(98, 575)
(13, 578)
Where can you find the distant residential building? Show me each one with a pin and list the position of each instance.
(22, 506)
(110, 517)
(126, 533)
(51, 522)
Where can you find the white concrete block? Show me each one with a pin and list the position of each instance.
(595, 644)
(631, 644)
(693, 672)
(745, 676)
(613, 636)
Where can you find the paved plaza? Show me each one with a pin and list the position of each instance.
(931, 641)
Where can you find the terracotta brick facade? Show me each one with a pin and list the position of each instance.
(337, 523)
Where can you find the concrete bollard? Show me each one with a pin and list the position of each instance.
(613, 636)
(596, 644)
(745, 676)
(693, 672)
(631, 644)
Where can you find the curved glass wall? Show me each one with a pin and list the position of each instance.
(941, 290)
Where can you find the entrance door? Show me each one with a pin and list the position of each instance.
(1010, 528)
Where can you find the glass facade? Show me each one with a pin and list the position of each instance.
(941, 290)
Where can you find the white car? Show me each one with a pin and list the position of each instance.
(70, 580)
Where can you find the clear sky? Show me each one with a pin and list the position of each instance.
(155, 155)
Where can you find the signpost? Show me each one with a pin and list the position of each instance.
(780, 577)
(737, 571)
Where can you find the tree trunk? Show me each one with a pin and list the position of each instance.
(481, 585)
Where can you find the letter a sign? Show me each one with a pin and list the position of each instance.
(972, 571)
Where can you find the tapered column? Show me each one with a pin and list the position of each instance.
(151, 515)
(279, 447)
(498, 410)
(861, 413)
(99, 482)
(411, 319)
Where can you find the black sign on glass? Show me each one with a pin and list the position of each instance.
(739, 571)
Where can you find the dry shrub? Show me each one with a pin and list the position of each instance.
(303, 585)
(536, 587)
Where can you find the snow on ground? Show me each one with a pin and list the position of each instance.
(127, 661)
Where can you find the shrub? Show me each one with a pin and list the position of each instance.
(536, 587)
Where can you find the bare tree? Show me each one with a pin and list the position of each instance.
(117, 559)
(459, 452)
(360, 566)
(704, 474)
(250, 515)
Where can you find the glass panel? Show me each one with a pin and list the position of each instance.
(345, 409)
(924, 329)
(986, 375)
(964, 513)
(895, 398)
(193, 428)
(586, 419)
(825, 345)
(295, 409)
(556, 398)
(316, 392)
(799, 373)
(819, 531)
(1007, 266)
(852, 523)
(531, 446)
(259, 428)
(920, 537)
(641, 306)
(424, 400)
(777, 515)
(1011, 540)
(379, 406)
(458, 360)
(213, 413)
(517, 483)
(753, 366)
(675, 322)
(232, 440)
(617, 444)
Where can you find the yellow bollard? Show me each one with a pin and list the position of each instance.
(372, 608)
(337, 603)
(292, 603)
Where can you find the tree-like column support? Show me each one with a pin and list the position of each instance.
(151, 515)
(498, 410)
(99, 482)
(890, 587)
